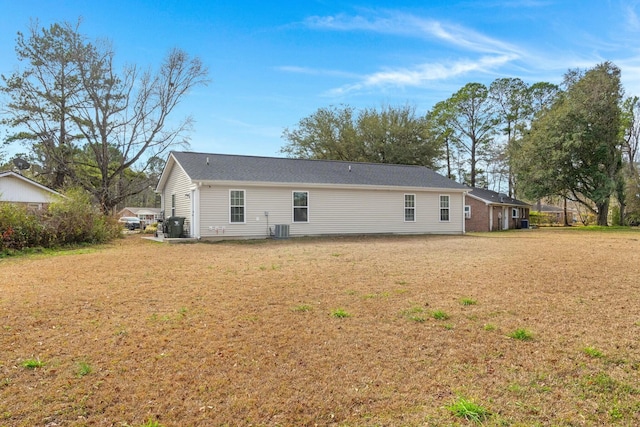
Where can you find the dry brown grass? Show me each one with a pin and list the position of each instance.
(242, 333)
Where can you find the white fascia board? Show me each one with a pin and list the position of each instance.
(329, 186)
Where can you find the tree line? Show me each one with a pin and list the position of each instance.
(577, 140)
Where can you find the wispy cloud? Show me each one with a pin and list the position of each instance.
(316, 71)
(478, 52)
(631, 15)
(423, 74)
(406, 25)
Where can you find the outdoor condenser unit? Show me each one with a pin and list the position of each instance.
(281, 231)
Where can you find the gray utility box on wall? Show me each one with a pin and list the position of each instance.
(281, 231)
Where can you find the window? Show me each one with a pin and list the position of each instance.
(409, 207)
(300, 206)
(467, 211)
(515, 213)
(236, 203)
(444, 208)
(173, 205)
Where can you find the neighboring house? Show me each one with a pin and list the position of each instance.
(554, 214)
(486, 210)
(15, 188)
(228, 196)
(145, 215)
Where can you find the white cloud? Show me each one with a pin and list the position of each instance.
(424, 74)
(406, 25)
(631, 16)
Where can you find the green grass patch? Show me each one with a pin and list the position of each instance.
(521, 334)
(32, 363)
(489, 327)
(468, 301)
(593, 352)
(340, 313)
(439, 315)
(470, 411)
(414, 313)
(83, 369)
(302, 308)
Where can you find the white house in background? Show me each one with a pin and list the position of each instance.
(145, 215)
(15, 188)
(228, 196)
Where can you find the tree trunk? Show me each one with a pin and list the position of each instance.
(603, 213)
(566, 219)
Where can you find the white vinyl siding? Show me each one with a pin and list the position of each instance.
(335, 211)
(409, 207)
(177, 185)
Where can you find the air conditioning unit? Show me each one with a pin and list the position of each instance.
(281, 231)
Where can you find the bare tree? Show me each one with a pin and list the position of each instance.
(98, 128)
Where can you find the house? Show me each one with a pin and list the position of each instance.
(15, 188)
(145, 215)
(231, 196)
(554, 215)
(487, 210)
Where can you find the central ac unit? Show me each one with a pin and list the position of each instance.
(281, 231)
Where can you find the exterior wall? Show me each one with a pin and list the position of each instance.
(479, 220)
(481, 214)
(331, 211)
(18, 191)
(178, 184)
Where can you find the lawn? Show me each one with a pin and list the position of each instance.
(520, 328)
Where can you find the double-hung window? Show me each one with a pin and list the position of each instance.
(467, 211)
(515, 213)
(237, 206)
(409, 207)
(300, 206)
(173, 205)
(444, 207)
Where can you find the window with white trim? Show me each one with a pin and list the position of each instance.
(173, 205)
(467, 211)
(300, 206)
(444, 207)
(236, 206)
(409, 207)
(515, 213)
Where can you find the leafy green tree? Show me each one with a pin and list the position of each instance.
(390, 135)
(573, 148)
(90, 124)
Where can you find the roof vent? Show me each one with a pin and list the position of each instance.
(207, 161)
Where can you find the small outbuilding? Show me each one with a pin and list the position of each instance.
(487, 210)
(229, 196)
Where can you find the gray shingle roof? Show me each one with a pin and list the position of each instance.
(224, 167)
(494, 197)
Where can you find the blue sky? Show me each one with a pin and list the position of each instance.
(274, 63)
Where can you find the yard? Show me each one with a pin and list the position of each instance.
(343, 331)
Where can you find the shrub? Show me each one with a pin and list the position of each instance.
(21, 228)
(72, 220)
(151, 229)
